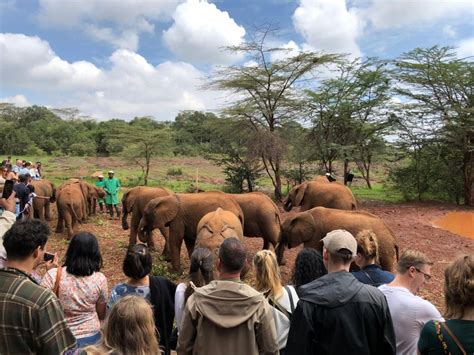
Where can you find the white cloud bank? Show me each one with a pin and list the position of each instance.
(201, 31)
(465, 48)
(131, 87)
(18, 100)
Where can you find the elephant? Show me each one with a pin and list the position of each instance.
(41, 206)
(262, 217)
(71, 206)
(314, 193)
(89, 193)
(134, 202)
(309, 227)
(216, 226)
(182, 212)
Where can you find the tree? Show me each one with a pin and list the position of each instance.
(442, 88)
(266, 95)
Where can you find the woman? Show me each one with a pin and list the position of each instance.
(456, 334)
(130, 328)
(81, 288)
(159, 291)
(309, 266)
(367, 258)
(283, 299)
(201, 268)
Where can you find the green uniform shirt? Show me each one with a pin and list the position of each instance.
(111, 187)
(100, 184)
(31, 317)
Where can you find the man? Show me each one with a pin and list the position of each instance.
(227, 316)
(31, 317)
(7, 219)
(111, 188)
(23, 194)
(337, 314)
(100, 183)
(409, 312)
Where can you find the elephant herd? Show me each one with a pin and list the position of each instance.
(206, 219)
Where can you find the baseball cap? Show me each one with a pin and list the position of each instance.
(100, 176)
(110, 172)
(339, 239)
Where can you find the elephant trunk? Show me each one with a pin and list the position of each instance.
(288, 205)
(143, 232)
(280, 249)
(125, 225)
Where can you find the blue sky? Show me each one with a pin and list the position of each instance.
(127, 58)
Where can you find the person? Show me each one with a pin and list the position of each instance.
(458, 330)
(23, 194)
(111, 188)
(367, 255)
(129, 329)
(159, 291)
(7, 219)
(81, 288)
(39, 169)
(31, 317)
(33, 171)
(100, 183)
(18, 168)
(227, 316)
(410, 312)
(201, 272)
(309, 266)
(336, 313)
(283, 299)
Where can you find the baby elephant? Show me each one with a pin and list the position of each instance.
(216, 226)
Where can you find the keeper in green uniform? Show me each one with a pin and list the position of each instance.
(111, 188)
(100, 201)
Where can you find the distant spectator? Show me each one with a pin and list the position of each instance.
(111, 188)
(201, 272)
(367, 259)
(410, 312)
(82, 288)
(33, 170)
(159, 291)
(8, 163)
(7, 219)
(129, 328)
(336, 313)
(227, 316)
(39, 168)
(22, 193)
(31, 317)
(309, 266)
(100, 183)
(349, 178)
(282, 299)
(7, 174)
(440, 338)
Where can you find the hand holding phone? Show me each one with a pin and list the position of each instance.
(48, 256)
(51, 260)
(9, 204)
(7, 189)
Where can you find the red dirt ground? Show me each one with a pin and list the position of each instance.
(411, 223)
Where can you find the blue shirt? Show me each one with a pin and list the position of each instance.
(373, 275)
(121, 290)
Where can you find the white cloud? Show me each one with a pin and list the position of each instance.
(18, 100)
(449, 31)
(119, 23)
(396, 14)
(200, 31)
(130, 87)
(466, 48)
(328, 25)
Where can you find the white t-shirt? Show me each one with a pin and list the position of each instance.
(409, 315)
(179, 303)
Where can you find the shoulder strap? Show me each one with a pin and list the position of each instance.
(59, 271)
(279, 307)
(292, 305)
(456, 340)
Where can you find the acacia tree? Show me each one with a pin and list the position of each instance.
(442, 88)
(266, 96)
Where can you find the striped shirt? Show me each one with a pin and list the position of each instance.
(31, 317)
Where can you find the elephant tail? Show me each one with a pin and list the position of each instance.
(396, 251)
(73, 213)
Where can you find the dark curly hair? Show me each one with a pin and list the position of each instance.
(309, 266)
(22, 239)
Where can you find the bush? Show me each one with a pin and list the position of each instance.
(174, 172)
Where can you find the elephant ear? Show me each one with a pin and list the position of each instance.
(84, 189)
(300, 191)
(164, 209)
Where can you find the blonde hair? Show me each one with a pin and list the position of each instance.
(459, 286)
(412, 258)
(130, 328)
(368, 245)
(267, 274)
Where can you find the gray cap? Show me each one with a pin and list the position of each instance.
(339, 239)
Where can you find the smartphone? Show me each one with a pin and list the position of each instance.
(48, 256)
(7, 188)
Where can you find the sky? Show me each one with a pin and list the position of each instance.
(128, 58)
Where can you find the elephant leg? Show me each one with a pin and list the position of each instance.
(68, 221)
(94, 206)
(189, 245)
(39, 213)
(151, 243)
(175, 249)
(135, 222)
(47, 210)
(166, 250)
(60, 224)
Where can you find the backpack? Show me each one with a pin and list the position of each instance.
(282, 318)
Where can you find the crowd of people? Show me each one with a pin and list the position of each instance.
(328, 309)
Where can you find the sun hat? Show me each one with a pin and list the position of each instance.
(110, 172)
(338, 240)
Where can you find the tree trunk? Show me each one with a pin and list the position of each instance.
(278, 194)
(249, 184)
(346, 170)
(468, 167)
(300, 177)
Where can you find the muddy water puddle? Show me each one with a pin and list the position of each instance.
(461, 223)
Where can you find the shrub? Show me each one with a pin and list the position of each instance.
(174, 172)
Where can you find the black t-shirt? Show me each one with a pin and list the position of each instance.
(22, 192)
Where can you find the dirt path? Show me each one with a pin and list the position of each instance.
(411, 223)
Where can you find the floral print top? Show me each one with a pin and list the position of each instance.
(79, 296)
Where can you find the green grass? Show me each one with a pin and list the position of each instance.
(379, 192)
